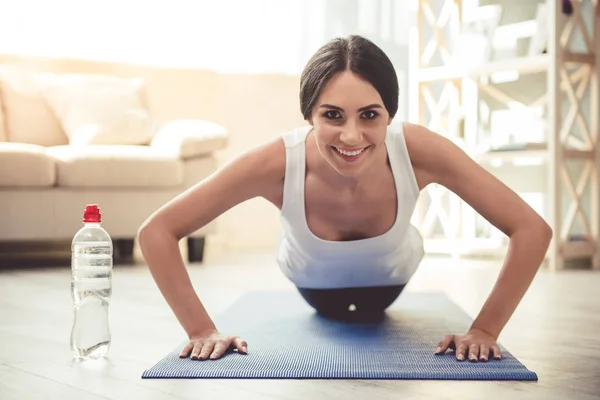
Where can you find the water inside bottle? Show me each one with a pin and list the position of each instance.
(91, 291)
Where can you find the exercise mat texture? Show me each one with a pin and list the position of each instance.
(288, 340)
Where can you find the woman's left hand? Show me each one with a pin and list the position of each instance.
(475, 344)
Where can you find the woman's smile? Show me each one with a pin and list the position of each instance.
(350, 155)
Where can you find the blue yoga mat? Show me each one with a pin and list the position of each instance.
(288, 340)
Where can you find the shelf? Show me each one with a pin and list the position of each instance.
(521, 64)
(572, 249)
(530, 65)
(579, 58)
(577, 249)
(539, 153)
(451, 96)
(466, 246)
(509, 156)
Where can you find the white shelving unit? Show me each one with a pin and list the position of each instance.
(445, 97)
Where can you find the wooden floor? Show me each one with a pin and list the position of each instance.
(555, 332)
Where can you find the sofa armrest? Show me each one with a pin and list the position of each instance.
(189, 138)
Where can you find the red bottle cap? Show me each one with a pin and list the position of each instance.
(92, 213)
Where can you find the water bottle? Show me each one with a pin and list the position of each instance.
(91, 287)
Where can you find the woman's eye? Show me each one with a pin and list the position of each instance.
(369, 114)
(332, 115)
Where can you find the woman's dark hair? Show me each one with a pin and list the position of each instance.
(354, 53)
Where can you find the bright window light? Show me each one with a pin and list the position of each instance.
(237, 36)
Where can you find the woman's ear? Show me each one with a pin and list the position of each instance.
(310, 121)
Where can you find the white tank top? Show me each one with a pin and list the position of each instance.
(313, 263)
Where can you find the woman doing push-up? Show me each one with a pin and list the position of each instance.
(346, 185)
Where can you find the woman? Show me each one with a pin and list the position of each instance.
(346, 186)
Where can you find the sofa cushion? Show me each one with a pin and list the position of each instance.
(98, 109)
(115, 166)
(188, 138)
(3, 136)
(23, 164)
(27, 117)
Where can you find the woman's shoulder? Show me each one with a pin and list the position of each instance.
(426, 150)
(269, 158)
(434, 155)
(269, 165)
(296, 137)
(421, 142)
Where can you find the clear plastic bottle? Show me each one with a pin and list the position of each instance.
(91, 286)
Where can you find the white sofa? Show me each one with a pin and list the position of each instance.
(68, 140)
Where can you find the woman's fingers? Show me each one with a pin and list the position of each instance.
(496, 351)
(444, 344)
(461, 350)
(220, 349)
(186, 350)
(207, 348)
(213, 348)
(474, 352)
(484, 352)
(241, 345)
(196, 350)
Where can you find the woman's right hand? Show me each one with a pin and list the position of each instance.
(212, 345)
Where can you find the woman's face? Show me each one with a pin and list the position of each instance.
(350, 122)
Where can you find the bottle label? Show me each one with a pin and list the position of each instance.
(92, 255)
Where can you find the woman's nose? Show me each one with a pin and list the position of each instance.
(351, 135)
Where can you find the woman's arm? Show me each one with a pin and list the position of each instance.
(249, 175)
(438, 160)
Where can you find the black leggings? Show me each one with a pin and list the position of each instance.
(352, 302)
